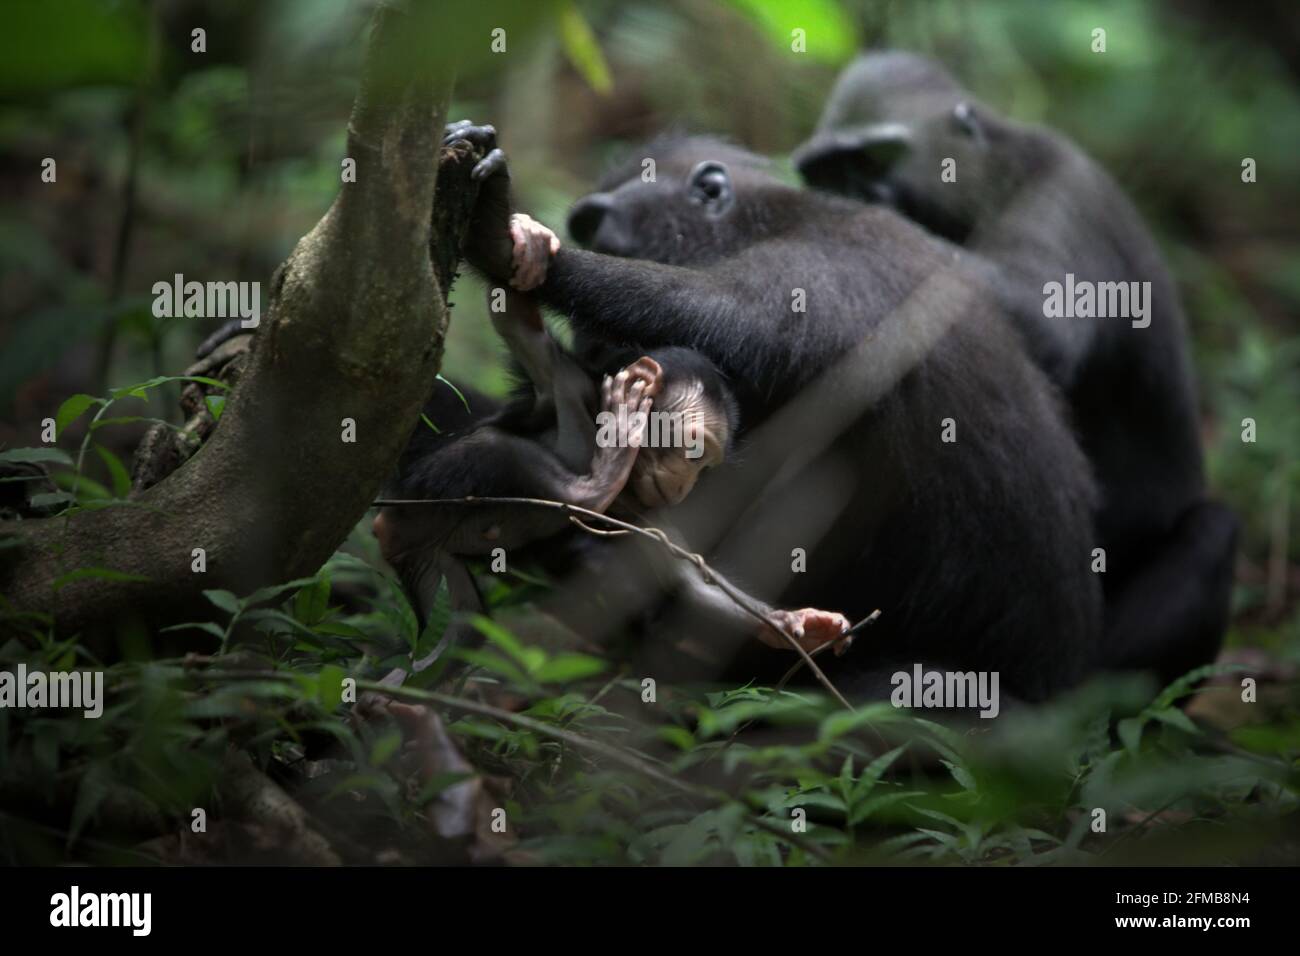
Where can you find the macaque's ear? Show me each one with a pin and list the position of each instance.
(649, 371)
(835, 160)
(968, 121)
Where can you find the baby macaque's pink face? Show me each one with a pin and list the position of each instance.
(666, 474)
(534, 245)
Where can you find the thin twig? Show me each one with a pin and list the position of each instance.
(742, 600)
(611, 533)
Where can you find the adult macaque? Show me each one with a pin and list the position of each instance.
(1032, 208)
(851, 337)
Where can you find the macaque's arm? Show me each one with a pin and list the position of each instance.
(810, 626)
(520, 322)
(560, 383)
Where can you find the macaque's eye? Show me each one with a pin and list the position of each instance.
(967, 121)
(710, 186)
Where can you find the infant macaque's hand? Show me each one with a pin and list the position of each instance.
(630, 389)
(811, 628)
(534, 245)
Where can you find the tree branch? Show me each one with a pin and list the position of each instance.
(354, 330)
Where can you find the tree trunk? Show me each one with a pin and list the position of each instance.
(354, 330)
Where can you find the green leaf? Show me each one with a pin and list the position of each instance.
(582, 50)
(563, 668)
(140, 389)
(679, 737)
(216, 405)
(821, 799)
(530, 658)
(48, 499)
(435, 624)
(121, 478)
(224, 600)
(871, 775)
(72, 408)
(72, 44)
(846, 779)
(459, 393)
(873, 805)
(311, 602)
(329, 686)
(206, 626)
(35, 455)
(841, 722)
(90, 794)
(1130, 733)
(1176, 718)
(1185, 685)
(961, 775)
(428, 421)
(85, 487)
(105, 574)
(827, 30)
(274, 590)
(494, 664)
(689, 842)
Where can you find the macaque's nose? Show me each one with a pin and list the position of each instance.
(587, 215)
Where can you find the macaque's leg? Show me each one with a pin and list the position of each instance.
(558, 380)
(711, 610)
(520, 327)
(574, 397)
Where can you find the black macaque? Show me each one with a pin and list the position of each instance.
(1036, 210)
(857, 346)
(544, 445)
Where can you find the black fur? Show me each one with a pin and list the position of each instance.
(1032, 207)
(976, 552)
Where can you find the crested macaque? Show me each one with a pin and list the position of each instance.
(1037, 215)
(547, 444)
(852, 339)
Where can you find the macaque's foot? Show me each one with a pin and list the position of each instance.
(534, 245)
(811, 628)
(485, 137)
(428, 753)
